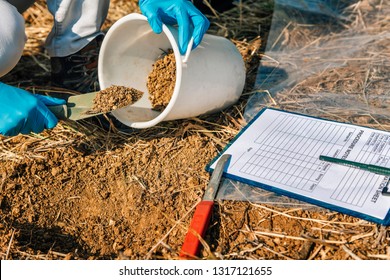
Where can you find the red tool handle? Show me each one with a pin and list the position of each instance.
(200, 222)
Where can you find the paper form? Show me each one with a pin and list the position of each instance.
(281, 150)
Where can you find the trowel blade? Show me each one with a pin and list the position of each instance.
(80, 105)
(76, 108)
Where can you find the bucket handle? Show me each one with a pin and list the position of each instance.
(184, 58)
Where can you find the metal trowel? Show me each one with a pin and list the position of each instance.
(203, 211)
(76, 108)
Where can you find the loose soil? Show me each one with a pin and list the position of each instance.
(114, 97)
(81, 192)
(161, 81)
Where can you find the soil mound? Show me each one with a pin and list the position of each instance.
(114, 97)
(161, 81)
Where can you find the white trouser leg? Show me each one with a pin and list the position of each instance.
(12, 37)
(76, 23)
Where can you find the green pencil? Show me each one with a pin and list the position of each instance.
(368, 167)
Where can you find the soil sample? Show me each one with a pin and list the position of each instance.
(161, 81)
(114, 97)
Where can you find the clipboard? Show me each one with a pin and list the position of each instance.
(280, 151)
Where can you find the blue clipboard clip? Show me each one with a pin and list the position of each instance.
(385, 191)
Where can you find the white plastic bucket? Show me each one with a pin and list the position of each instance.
(212, 79)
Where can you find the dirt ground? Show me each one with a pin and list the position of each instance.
(81, 192)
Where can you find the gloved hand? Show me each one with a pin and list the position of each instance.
(24, 112)
(192, 23)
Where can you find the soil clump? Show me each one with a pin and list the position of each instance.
(161, 81)
(114, 97)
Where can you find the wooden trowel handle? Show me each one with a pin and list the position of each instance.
(60, 111)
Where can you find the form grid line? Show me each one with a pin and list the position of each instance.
(289, 156)
(375, 151)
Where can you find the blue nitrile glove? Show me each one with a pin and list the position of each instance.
(24, 112)
(192, 23)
